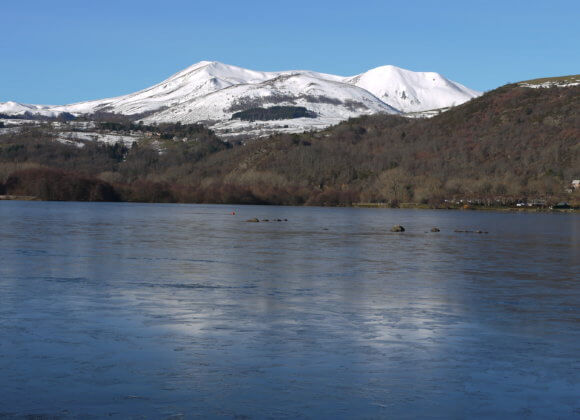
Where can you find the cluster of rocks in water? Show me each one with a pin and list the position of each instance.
(396, 228)
(256, 220)
(399, 228)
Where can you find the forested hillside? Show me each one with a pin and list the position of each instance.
(511, 144)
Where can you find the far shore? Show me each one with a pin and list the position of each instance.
(409, 206)
(20, 197)
(526, 209)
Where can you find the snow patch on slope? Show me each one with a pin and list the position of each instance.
(328, 99)
(196, 81)
(563, 81)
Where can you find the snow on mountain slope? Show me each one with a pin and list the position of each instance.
(212, 92)
(410, 91)
(15, 108)
(328, 99)
(198, 80)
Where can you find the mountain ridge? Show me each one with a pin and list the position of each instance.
(209, 90)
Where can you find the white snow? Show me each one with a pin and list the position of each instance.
(232, 128)
(18, 122)
(328, 99)
(550, 84)
(410, 91)
(66, 140)
(77, 136)
(15, 108)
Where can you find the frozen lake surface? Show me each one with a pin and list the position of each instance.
(170, 311)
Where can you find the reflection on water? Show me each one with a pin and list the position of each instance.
(162, 310)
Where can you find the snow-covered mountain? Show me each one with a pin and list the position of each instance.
(211, 92)
(410, 91)
(15, 108)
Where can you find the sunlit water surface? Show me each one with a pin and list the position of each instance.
(155, 311)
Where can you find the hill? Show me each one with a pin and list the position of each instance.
(560, 81)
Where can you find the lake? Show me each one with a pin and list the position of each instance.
(184, 311)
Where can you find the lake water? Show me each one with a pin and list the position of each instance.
(170, 311)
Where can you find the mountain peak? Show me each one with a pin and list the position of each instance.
(203, 63)
(412, 91)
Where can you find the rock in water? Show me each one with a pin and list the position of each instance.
(397, 228)
(435, 229)
(254, 220)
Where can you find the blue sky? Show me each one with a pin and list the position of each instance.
(64, 51)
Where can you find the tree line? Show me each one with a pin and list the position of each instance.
(274, 113)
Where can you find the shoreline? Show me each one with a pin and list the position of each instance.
(402, 206)
(19, 198)
(413, 206)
